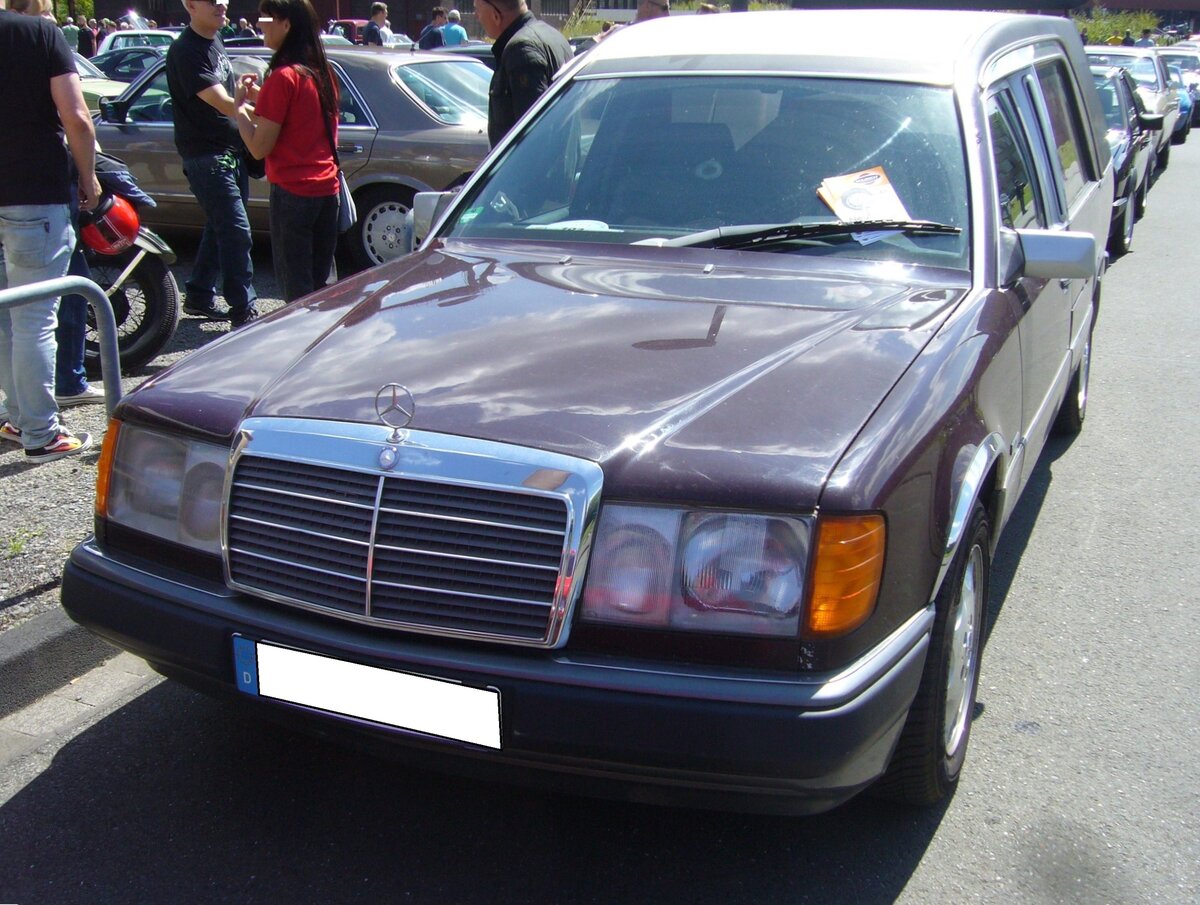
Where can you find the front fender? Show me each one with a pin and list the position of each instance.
(154, 244)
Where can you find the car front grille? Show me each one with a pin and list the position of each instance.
(401, 551)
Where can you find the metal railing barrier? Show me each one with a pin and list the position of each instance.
(106, 323)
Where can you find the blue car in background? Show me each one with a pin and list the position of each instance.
(1187, 103)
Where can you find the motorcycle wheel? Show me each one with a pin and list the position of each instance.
(146, 309)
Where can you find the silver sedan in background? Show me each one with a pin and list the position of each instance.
(408, 123)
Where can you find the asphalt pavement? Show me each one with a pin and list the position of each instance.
(1079, 787)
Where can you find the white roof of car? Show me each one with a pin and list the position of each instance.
(926, 45)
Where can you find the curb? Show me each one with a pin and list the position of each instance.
(43, 653)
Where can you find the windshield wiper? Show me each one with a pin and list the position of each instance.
(758, 235)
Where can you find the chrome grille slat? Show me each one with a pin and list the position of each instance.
(421, 589)
(292, 528)
(466, 558)
(468, 521)
(292, 564)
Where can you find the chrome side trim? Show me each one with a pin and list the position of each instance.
(967, 492)
(825, 690)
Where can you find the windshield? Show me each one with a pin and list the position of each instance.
(86, 70)
(1110, 103)
(653, 159)
(1141, 68)
(455, 90)
(1185, 61)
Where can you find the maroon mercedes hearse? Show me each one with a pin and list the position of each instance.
(671, 464)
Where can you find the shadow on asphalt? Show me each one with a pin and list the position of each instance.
(175, 797)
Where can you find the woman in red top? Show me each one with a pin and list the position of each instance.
(293, 124)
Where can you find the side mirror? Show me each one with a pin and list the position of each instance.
(1057, 254)
(113, 110)
(1012, 258)
(1152, 122)
(427, 208)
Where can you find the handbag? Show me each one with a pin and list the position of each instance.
(347, 212)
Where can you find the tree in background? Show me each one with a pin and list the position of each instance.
(1102, 24)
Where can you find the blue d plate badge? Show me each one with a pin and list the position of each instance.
(414, 703)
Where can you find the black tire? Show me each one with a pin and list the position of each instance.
(1143, 193)
(1074, 408)
(1164, 157)
(146, 309)
(933, 745)
(377, 236)
(1120, 239)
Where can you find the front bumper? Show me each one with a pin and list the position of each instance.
(708, 737)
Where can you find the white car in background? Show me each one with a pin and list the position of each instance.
(137, 37)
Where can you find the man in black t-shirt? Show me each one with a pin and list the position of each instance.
(432, 36)
(201, 82)
(372, 31)
(42, 100)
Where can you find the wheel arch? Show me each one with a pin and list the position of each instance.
(978, 471)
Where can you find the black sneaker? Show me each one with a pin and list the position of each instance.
(209, 312)
(241, 318)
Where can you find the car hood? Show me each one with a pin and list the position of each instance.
(654, 364)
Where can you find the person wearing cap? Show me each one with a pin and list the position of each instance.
(453, 33)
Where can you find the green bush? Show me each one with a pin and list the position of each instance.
(1102, 24)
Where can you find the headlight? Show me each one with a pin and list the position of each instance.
(734, 573)
(698, 571)
(168, 487)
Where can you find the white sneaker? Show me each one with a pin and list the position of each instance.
(89, 395)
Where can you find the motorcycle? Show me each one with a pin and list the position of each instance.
(132, 265)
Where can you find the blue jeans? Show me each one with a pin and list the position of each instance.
(303, 240)
(220, 184)
(36, 241)
(70, 378)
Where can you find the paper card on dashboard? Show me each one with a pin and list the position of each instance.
(865, 195)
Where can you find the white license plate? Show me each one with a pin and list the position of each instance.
(416, 703)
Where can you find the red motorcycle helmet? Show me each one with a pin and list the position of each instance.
(111, 227)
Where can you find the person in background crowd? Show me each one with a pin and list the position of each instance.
(1146, 40)
(1127, 39)
(293, 124)
(201, 83)
(372, 33)
(244, 30)
(528, 52)
(431, 36)
(87, 38)
(453, 33)
(71, 32)
(36, 236)
(652, 9)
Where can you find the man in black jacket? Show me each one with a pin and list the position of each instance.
(528, 53)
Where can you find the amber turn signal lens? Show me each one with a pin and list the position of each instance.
(104, 467)
(846, 575)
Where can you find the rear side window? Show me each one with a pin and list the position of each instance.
(1068, 141)
(1020, 204)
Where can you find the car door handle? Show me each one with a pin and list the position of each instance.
(350, 149)
(1065, 284)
